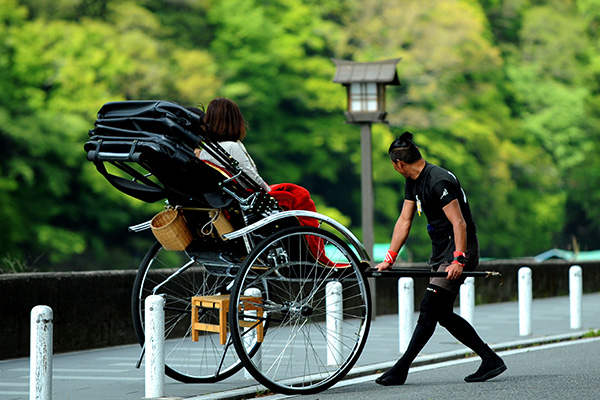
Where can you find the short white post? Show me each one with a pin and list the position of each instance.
(250, 337)
(154, 327)
(40, 358)
(525, 300)
(467, 299)
(335, 318)
(406, 310)
(576, 296)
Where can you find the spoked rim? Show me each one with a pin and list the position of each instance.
(177, 277)
(309, 345)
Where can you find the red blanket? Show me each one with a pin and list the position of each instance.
(294, 197)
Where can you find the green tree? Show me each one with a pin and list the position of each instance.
(274, 59)
(505, 93)
(454, 97)
(58, 73)
(554, 88)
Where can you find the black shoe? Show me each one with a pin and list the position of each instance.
(392, 380)
(487, 370)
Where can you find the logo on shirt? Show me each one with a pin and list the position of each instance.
(444, 193)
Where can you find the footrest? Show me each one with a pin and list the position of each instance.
(221, 302)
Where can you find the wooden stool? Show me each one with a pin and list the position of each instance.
(221, 302)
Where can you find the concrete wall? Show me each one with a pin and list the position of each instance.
(92, 309)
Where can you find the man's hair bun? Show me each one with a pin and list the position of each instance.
(406, 136)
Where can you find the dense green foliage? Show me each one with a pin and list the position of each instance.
(505, 93)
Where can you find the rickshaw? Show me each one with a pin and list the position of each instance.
(246, 281)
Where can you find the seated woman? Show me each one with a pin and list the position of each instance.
(227, 126)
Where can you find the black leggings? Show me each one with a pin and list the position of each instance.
(438, 307)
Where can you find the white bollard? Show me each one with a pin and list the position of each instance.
(525, 300)
(334, 305)
(154, 327)
(576, 296)
(250, 337)
(467, 299)
(406, 310)
(40, 361)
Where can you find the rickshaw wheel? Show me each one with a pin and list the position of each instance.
(308, 345)
(202, 361)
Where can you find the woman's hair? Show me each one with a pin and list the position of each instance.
(404, 149)
(225, 120)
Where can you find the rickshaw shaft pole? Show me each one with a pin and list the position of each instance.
(422, 272)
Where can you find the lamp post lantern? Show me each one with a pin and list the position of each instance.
(365, 85)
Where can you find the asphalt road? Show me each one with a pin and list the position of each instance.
(567, 372)
(559, 371)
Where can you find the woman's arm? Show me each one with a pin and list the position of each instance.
(238, 151)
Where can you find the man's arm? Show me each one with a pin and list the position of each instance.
(454, 215)
(401, 230)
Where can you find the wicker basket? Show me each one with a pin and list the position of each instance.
(170, 230)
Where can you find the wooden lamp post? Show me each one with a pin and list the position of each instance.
(365, 84)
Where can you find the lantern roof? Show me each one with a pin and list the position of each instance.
(362, 72)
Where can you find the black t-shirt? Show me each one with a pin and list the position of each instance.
(434, 189)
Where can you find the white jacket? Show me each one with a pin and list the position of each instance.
(238, 151)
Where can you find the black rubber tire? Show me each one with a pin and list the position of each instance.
(292, 359)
